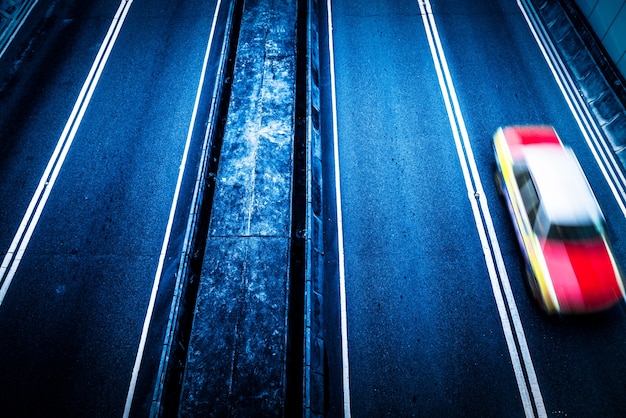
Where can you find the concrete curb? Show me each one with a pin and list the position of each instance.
(13, 13)
(597, 82)
(314, 344)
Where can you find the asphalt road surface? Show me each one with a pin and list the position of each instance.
(72, 313)
(425, 334)
(435, 325)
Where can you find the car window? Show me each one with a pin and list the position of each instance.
(573, 232)
(527, 189)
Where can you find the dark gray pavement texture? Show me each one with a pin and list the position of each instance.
(72, 318)
(423, 333)
(424, 336)
(237, 356)
(237, 352)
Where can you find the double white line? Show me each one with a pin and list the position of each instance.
(14, 255)
(507, 309)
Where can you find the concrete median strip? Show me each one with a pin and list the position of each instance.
(238, 346)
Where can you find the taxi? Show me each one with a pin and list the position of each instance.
(569, 265)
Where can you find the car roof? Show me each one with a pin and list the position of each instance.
(528, 135)
(564, 191)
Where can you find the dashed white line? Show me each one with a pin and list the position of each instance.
(14, 255)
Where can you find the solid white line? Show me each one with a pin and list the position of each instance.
(26, 228)
(604, 157)
(340, 245)
(168, 230)
(484, 225)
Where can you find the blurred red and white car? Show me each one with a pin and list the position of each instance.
(561, 230)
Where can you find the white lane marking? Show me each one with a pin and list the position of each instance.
(340, 247)
(168, 230)
(14, 255)
(14, 32)
(603, 155)
(491, 248)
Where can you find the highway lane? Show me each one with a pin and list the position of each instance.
(423, 330)
(424, 333)
(72, 318)
(579, 362)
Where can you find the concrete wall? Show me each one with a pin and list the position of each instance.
(608, 20)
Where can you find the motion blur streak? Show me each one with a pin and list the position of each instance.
(18, 246)
(340, 250)
(509, 316)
